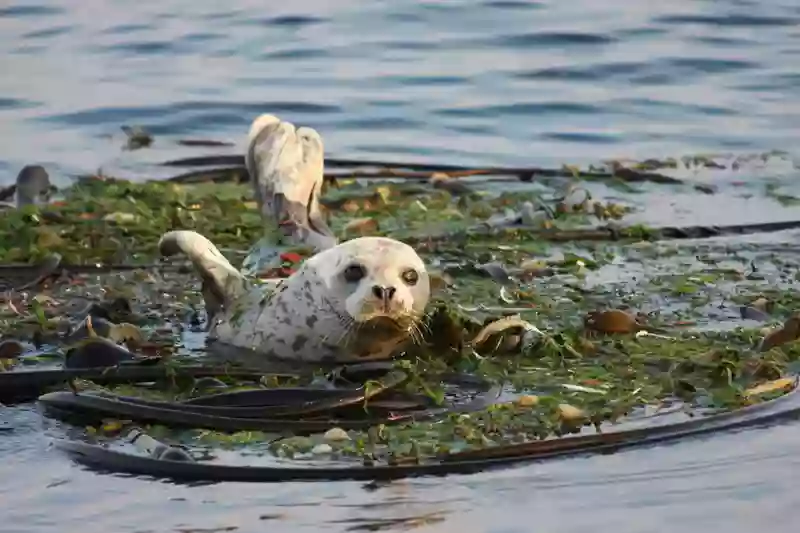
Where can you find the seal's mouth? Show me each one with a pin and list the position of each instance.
(379, 335)
(384, 324)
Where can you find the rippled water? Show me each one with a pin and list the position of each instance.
(492, 82)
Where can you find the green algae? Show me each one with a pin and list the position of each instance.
(552, 285)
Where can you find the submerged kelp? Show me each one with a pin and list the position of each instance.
(595, 332)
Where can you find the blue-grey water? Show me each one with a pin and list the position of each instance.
(485, 82)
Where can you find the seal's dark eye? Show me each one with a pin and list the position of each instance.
(354, 273)
(410, 276)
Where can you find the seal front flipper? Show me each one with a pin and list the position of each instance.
(222, 283)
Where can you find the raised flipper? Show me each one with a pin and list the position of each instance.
(222, 283)
(286, 168)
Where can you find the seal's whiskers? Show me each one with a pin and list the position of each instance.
(416, 333)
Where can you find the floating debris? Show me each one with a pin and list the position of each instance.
(589, 359)
(137, 137)
(788, 332)
(336, 435)
(611, 321)
(527, 400)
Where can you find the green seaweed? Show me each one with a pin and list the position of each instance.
(551, 285)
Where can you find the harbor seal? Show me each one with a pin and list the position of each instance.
(351, 301)
(360, 300)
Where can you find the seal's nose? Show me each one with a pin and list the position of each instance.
(383, 293)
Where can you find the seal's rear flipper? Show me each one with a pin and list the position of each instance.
(221, 282)
(286, 168)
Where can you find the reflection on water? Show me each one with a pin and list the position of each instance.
(490, 82)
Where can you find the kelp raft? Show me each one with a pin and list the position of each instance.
(544, 339)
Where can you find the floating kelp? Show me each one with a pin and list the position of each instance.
(529, 338)
(185, 467)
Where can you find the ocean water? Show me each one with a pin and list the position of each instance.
(472, 82)
(500, 82)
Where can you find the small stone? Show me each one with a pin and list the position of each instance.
(527, 400)
(570, 413)
(336, 434)
(119, 217)
(11, 349)
(321, 449)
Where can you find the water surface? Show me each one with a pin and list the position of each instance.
(491, 82)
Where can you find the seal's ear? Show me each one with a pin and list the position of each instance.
(221, 282)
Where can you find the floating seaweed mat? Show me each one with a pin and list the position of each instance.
(278, 409)
(770, 412)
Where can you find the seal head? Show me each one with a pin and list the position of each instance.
(376, 276)
(378, 285)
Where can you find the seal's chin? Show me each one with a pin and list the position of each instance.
(384, 325)
(378, 336)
